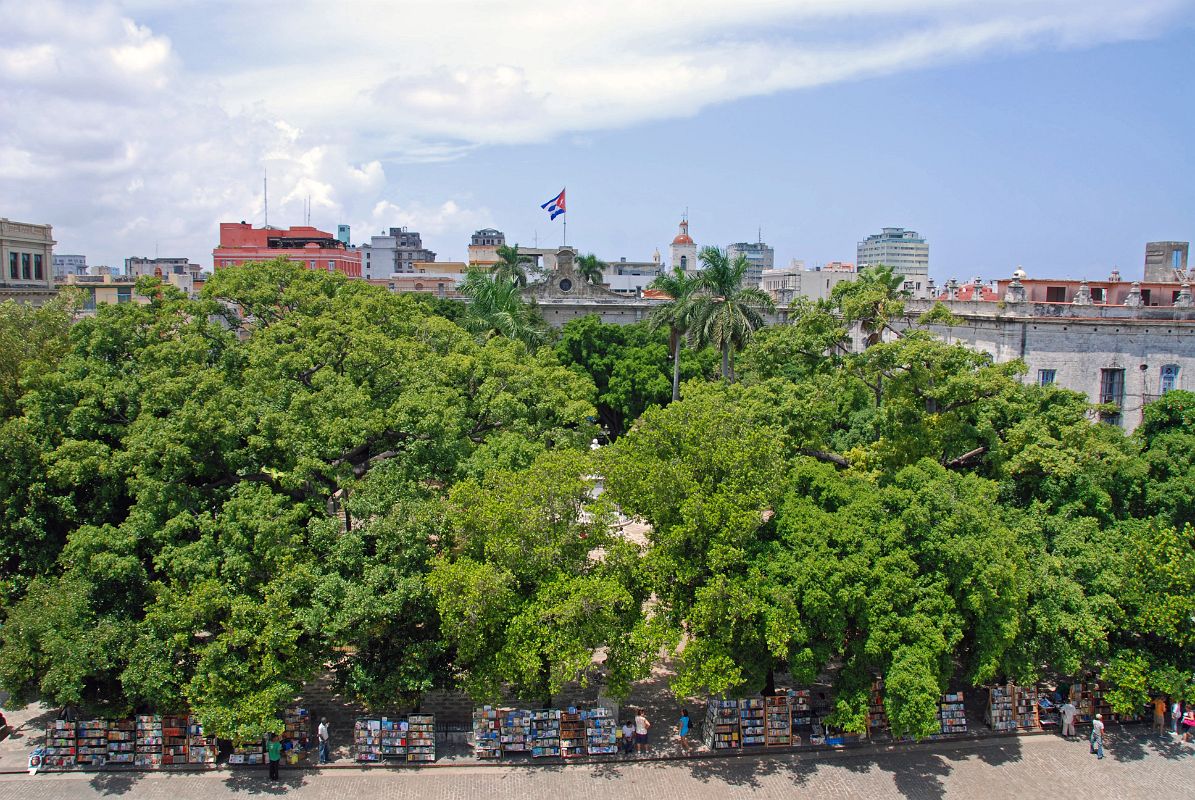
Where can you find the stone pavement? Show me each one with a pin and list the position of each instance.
(1138, 766)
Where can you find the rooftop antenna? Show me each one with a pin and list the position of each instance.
(265, 193)
(759, 235)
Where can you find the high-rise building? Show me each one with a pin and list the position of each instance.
(905, 251)
(759, 257)
(394, 252)
(69, 265)
(26, 261)
(1166, 261)
(241, 242)
(684, 249)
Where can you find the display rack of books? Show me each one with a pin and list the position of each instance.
(752, 722)
(200, 749)
(91, 743)
(248, 755)
(392, 741)
(148, 750)
(515, 730)
(572, 734)
(722, 724)
(877, 717)
(121, 735)
(421, 741)
(545, 733)
(296, 725)
(60, 744)
(800, 706)
(952, 716)
(174, 740)
(1001, 707)
(367, 740)
(1027, 713)
(488, 737)
(779, 721)
(601, 731)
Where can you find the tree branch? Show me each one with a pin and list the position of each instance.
(966, 459)
(822, 455)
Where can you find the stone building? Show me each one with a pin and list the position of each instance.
(1166, 261)
(26, 261)
(684, 249)
(564, 295)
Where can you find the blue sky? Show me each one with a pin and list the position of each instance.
(1049, 133)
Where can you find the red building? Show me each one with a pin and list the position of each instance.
(241, 242)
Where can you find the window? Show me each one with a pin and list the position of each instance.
(1097, 294)
(1045, 377)
(419, 287)
(37, 267)
(14, 271)
(1145, 297)
(1112, 393)
(89, 299)
(684, 262)
(1169, 380)
(1176, 259)
(1174, 296)
(331, 266)
(26, 271)
(124, 294)
(1055, 294)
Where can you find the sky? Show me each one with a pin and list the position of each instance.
(1052, 134)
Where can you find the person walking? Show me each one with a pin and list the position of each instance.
(682, 730)
(642, 726)
(1160, 714)
(1097, 735)
(1188, 723)
(1067, 713)
(274, 754)
(1176, 715)
(321, 737)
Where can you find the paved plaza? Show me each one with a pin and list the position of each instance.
(1137, 766)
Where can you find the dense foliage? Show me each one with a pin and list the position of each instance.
(205, 504)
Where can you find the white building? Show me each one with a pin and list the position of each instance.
(796, 280)
(69, 265)
(905, 251)
(631, 277)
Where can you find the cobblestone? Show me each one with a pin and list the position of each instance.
(1138, 766)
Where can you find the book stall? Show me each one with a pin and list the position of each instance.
(421, 738)
(91, 743)
(201, 749)
(174, 740)
(751, 722)
(392, 742)
(488, 738)
(601, 731)
(367, 740)
(877, 717)
(1089, 701)
(409, 740)
(722, 724)
(572, 734)
(148, 746)
(249, 754)
(779, 720)
(296, 724)
(545, 733)
(952, 715)
(515, 729)
(122, 734)
(804, 720)
(60, 744)
(1014, 708)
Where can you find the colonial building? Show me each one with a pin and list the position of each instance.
(240, 242)
(684, 249)
(565, 295)
(26, 260)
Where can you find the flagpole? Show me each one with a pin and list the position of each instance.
(565, 244)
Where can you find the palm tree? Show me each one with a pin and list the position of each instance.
(726, 313)
(496, 308)
(677, 314)
(590, 268)
(511, 265)
(872, 299)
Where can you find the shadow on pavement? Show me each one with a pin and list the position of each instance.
(258, 782)
(1136, 746)
(110, 783)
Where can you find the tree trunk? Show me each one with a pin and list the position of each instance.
(725, 362)
(545, 681)
(675, 365)
(769, 686)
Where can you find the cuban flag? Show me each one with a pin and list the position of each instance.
(555, 206)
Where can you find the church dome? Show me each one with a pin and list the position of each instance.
(1019, 273)
(683, 237)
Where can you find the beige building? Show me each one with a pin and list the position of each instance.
(796, 280)
(109, 288)
(440, 278)
(26, 261)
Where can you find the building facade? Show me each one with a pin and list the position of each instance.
(241, 243)
(483, 246)
(439, 278)
(759, 256)
(1166, 261)
(630, 278)
(684, 249)
(394, 252)
(69, 265)
(114, 289)
(905, 251)
(813, 283)
(26, 261)
(187, 276)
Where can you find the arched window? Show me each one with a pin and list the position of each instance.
(684, 262)
(1169, 378)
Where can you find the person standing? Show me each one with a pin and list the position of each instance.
(1188, 723)
(682, 730)
(274, 755)
(321, 737)
(1067, 712)
(1097, 735)
(1176, 714)
(1160, 714)
(642, 726)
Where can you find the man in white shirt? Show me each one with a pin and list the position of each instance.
(321, 736)
(1067, 711)
(1097, 735)
(641, 728)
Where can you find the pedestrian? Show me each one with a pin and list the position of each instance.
(628, 737)
(1067, 712)
(1176, 715)
(1160, 714)
(321, 736)
(1188, 723)
(642, 726)
(1097, 735)
(682, 731)
(274, 754)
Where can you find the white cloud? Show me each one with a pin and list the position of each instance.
(148, 121)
